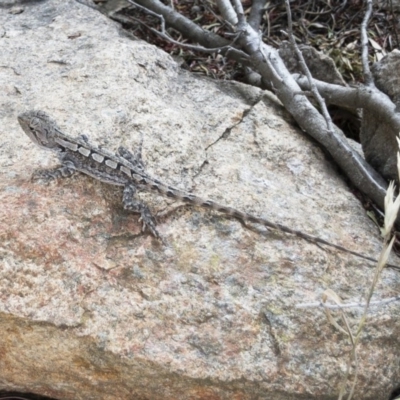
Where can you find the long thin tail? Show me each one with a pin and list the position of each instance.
(198, 201)
(279, 227)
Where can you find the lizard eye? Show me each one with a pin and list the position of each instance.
(34, 131)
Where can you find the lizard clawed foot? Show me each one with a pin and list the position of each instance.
(131, 204)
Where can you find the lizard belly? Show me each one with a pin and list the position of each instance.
(103, 176)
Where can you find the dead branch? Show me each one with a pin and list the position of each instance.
(307, 72)
(368, 79)
(227, 11)
(256, 13)
(356, 97)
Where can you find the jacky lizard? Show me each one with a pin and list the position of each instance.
(127, 170)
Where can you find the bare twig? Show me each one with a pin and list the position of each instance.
(356, 97)
(307, 72)
(240, 14)
(227, 11)
(368, 79)
(163, 34)
(256, 13)
(182, 24)
(220, 18)
(150, 12)
(267, 59)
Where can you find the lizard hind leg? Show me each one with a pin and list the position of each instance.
(131, 204)
(133, 158)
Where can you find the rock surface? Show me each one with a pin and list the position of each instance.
(92, 308)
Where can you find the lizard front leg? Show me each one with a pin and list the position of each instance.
(131, 204)
(63, 171)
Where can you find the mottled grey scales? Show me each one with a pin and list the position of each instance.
(112, 164)
(127, 169)
(68, 145)
(97, 157)
(84, 151)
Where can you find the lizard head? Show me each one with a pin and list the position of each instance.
(40, 128)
